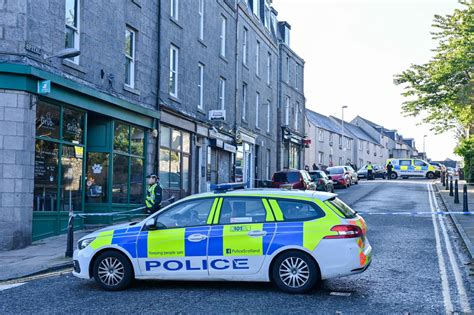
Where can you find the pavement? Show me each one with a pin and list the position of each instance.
(45, 255)
(463, 223)
(419, 266)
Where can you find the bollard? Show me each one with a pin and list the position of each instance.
(451, 188)
(441, 178)
(447, 182)
(456, 192)
(464, 199)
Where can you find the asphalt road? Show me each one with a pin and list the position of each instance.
(419, 266)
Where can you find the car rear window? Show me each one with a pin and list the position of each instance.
(315, 175)
(341, 207)
(337, 170)
(293, 177)
(280, 177)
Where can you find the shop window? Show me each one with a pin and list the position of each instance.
(136, 180)
(97, 177)
(47, 121)
(175, 149)
(46, 175)
(121, 137)
(137, 141)
(71, 168)
(120, 179)
(73, 126)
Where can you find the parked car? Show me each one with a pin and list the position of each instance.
(378, 171)
(298, 179)
(322, 181)
(353, 174)
(339, 175)
(439, 168)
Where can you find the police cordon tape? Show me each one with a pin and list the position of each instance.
(421, 213)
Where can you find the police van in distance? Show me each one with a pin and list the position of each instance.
(289, 237)
(405, 168)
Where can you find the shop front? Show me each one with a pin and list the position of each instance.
(293, 146)
(90, 150)
(221, 157)
(244, 161)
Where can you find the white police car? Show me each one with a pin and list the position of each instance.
(292, 238)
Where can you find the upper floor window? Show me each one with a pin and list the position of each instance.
(257, 109)
(269, 68)
(72, 26)
(340, 140)
(244, 101)
(223, 35)
(256, 8)
(297, 115)
(287, 69)
(296, 76)
(222, 93)
(174, 9)
(269, 114)
(361, 144)
(287, 111)
(321, 135)
(201, 19)
(257, 58)
(201, 86)
(130, 57)
(330, 138)
(245, 46)
(174, 63)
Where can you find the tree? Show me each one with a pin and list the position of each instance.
(443, 88)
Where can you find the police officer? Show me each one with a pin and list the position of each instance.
(389, 170)
(369, 171)
(154, 193)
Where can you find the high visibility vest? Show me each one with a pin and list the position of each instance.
(150, 196)
(369, 167)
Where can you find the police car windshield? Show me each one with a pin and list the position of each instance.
(344, 209)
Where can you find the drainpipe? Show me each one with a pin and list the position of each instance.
(158, 81)
(237, 82)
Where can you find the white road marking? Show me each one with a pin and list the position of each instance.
(10, 286)
(442, 266)
(457, 273)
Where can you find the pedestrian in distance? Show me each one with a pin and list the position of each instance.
(389, 170)
(370, 169)
(154, 194)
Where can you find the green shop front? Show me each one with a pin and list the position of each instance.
(90, 151)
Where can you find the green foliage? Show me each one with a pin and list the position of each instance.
(465, 149)
(443, 88)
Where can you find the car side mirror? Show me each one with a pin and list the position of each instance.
(150, 224)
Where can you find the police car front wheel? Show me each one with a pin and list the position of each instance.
(295, 272)
(112, 271)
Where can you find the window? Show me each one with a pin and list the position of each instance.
(72, 21)
(340, 141)
(245, 47)
(340, 161)
(201, 19)
(349, 144)
(244, 101)
(287, 69)
(268, 166)
(287, 111)
(296, 76)
(174, 9)
(297, 115)
(201, 86)
(330, 138)
(186, 214)
(243, 210)
(320, 157)
(321, 135)
(257, 109)
(222, 93)
(269, 114)
(223, 35)
(361, 145)
(405, 163)
(174, 64)
(269, 69)
(298, 210)
(344, 210)
(130, 57)
(174, 162)
(257, 59)
(419, 163)
(256, 8)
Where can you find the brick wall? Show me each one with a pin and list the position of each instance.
(17, 148)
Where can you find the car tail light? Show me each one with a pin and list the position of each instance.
(345, 231)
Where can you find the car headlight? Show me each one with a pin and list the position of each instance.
(84, 243)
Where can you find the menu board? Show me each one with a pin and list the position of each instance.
(46, 162)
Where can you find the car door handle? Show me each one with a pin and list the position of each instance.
(196, 237)
(257, 233)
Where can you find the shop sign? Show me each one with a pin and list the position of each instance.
(230, 148)
(217, 115)
(44, 87)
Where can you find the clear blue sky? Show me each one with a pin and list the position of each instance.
(352, 50)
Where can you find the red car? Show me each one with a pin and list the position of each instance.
(297, 179)
(340, 176)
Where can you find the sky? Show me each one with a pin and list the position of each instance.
(353, 49)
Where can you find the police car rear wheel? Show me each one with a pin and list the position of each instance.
(393, 176)
(430, 175)
(112, 271)
(295, 272)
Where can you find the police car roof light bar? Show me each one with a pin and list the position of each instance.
(220, 188)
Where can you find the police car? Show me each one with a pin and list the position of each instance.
(289, 237)
(405, 168)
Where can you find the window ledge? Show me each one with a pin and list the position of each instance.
(176, 22)
(245, 66)
(223, 58)
(202, 42)
(73, 65)
(131, 90)
(258, 128)
(258, 76)
(137, 2)
(201, 111)
(174, 98)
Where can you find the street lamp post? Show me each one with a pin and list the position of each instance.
(424, 150)
(342, 125)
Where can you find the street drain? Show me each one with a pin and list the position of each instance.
(340, 294)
